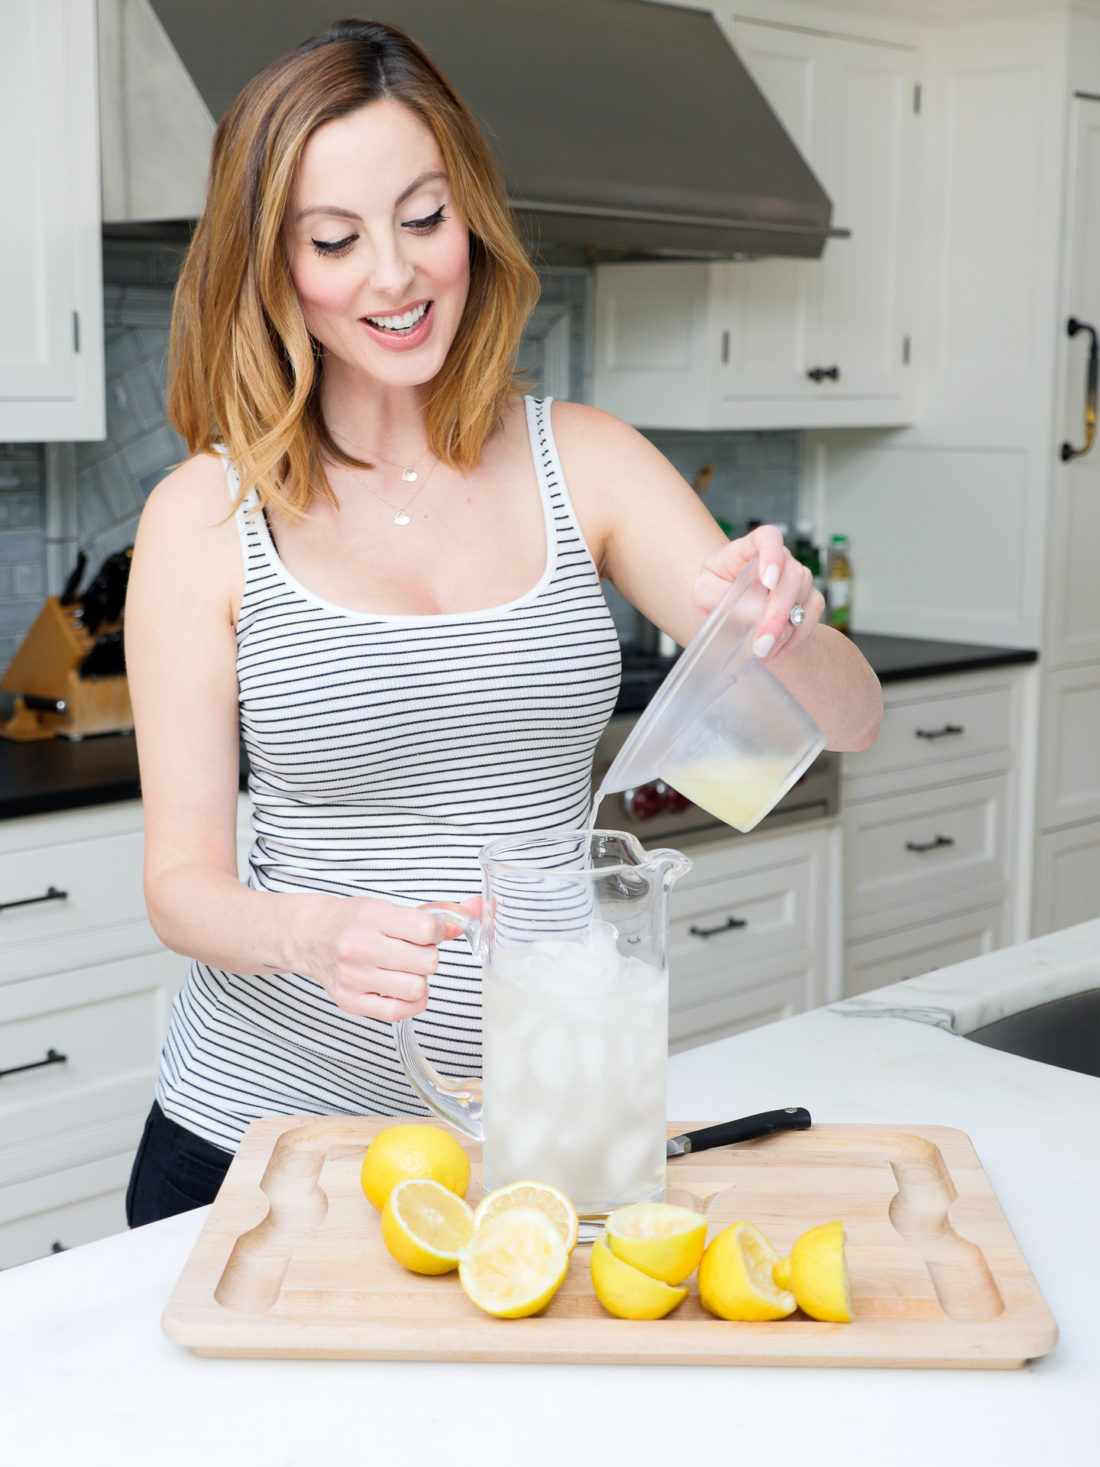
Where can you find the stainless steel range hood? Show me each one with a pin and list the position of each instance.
(625, 128)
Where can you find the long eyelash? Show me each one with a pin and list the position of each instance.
(430, 222)
(334, 246)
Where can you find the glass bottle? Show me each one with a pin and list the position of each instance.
(840, 584)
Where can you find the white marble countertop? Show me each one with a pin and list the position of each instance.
(87, 1376)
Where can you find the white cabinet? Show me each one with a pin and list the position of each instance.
(85, 991)
(51, 344)
(750, 934)
(787, 343)
(932, 869)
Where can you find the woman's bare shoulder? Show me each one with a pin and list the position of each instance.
(195, 495)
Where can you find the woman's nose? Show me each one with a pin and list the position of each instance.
(391, 271)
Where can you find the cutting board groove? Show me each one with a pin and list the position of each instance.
(290, 1261)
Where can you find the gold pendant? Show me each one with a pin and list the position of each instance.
(410, 476)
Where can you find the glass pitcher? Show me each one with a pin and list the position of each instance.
(573, 944)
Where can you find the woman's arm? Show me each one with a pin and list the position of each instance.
(373, 957)
(656, 542)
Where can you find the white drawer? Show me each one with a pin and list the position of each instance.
(929, 843)
(934, 727)
(741, 919)
(911, 951)
(109, 1024)
(65, 1210)
(70, 890)
(713, 1011)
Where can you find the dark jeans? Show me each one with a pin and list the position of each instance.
(174, 1171)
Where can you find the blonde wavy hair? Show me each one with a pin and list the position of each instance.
(244, 369)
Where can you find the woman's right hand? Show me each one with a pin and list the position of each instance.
(372, 957)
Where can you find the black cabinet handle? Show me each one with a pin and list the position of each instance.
(932, 845)
(819, 374)
(59, 1248)
(51, 894)
(939, 733)
(727, 926)
(52, 1058)
(1067, 450)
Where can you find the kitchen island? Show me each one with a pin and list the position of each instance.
(86, 1374)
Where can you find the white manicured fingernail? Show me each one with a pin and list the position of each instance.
(763, 645)
(771, 577)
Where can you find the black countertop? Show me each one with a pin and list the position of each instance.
(59, 774)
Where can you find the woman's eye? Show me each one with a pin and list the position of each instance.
(430, 222)
(334, 246)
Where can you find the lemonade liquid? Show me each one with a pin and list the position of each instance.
(575, 1072)
(738, 790)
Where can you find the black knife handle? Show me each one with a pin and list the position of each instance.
(767, 1123)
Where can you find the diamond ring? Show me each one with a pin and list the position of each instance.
(797, 614)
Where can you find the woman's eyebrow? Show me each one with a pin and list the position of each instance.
(330, 209)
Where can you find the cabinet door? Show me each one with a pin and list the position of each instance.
(1069, 764)
(51, 375)
(848, 106)
(866, 279)
(1067, 878)
(652, 362)
(1073, 600)
(767, 310)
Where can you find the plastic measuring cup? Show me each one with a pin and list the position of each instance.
(721, 729)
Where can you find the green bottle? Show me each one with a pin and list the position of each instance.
(840, 585)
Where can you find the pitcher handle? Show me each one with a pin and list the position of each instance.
(458, 1102)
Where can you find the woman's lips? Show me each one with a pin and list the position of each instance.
(401, 340)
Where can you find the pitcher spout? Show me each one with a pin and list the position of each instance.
(670, 864)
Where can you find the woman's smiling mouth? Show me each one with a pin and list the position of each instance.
(401, 330)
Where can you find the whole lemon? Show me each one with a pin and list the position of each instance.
(413, 1151)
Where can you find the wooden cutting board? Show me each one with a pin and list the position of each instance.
(290, 1261)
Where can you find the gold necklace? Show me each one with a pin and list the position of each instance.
(408, 471)
(401, 516)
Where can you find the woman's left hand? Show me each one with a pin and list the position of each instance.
(788, 583)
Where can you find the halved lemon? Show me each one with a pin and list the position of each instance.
(661, 1239)
(736, 1279)
(817, 1274)
(514, 1263)
(627, 1292)
(426, 1226)
(539, 1195)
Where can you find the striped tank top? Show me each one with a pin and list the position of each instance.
(384, 752)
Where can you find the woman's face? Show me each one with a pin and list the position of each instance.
(378, 253)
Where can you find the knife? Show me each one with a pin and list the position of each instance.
(766, 1123)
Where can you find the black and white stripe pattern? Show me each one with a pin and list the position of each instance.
(385, 751)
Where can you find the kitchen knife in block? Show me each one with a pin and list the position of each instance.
(747, 1128)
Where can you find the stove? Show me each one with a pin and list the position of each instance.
(655, 811)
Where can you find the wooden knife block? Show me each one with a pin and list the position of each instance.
(46, 666)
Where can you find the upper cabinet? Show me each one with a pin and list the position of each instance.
(51, 341)
(773, 343)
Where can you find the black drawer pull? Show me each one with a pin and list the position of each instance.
(51, 894)
(821, 374)
(59, 1248)
(939, 733)
(52, 1058)
(932, 845)
(727, 926)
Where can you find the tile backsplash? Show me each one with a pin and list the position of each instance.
(55, 501)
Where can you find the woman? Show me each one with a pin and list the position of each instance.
(382, 565)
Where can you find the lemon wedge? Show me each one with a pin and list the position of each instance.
(514, 1263)
(735, 1276)
(627, 1292)
(662, 1240)
(426, 1226)
(818, 1274)
(413, 1151)
(539, 1195)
